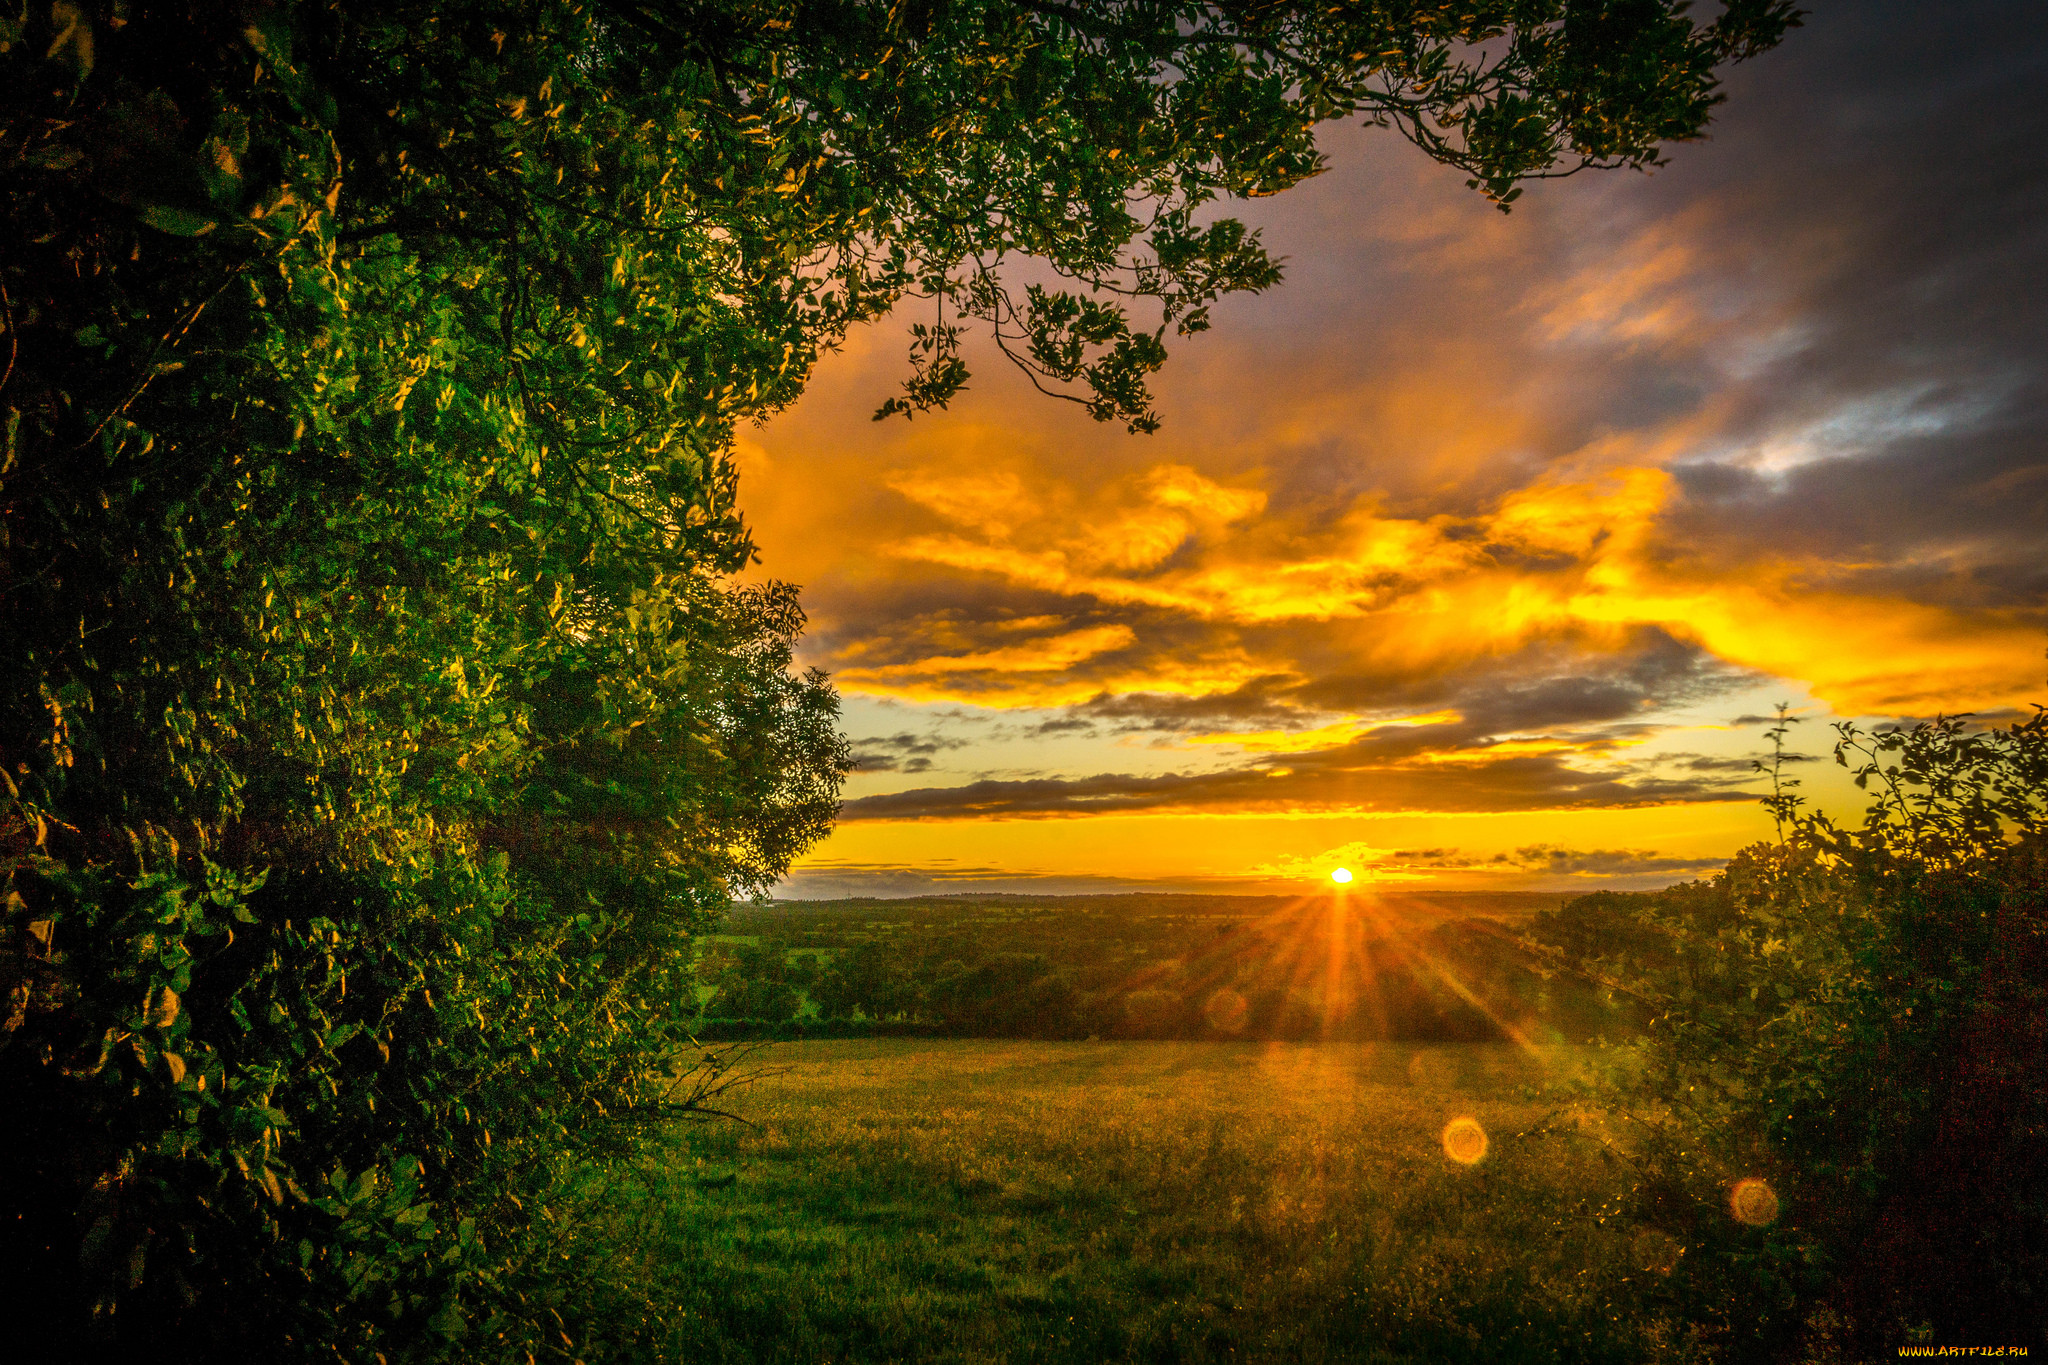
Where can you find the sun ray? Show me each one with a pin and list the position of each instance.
(1336, 999)
(1442, 972)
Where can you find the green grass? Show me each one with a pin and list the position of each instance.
(1019, 1201)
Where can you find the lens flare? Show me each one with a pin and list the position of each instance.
(1226, 1011)
(1341, 875)
(1754, 1202)
(1465, 1141)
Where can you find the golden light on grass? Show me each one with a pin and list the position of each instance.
(1435, 1069)
(1754, 1202)
(1465, 1141)
(1341, 875)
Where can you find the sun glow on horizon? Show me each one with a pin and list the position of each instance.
(1341, 876)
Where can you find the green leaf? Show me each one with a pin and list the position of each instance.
(178, 222)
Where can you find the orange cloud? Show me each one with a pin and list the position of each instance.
(1561, 480)
(990, 503)
(1582, 559)
(1048, 654)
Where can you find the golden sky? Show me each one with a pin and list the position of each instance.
(1472, 554)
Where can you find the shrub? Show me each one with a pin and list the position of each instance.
(1859, 1019)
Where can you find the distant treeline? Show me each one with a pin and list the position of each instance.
(1359, 967)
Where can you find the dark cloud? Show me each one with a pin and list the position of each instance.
(1270, 701)
(1620, 862)
(1707, 763)
(900, 753)
(1719, 763)
(1542, 687)
(1657, 672)
(1362, 777)
(1061, 725)
(1884, 177)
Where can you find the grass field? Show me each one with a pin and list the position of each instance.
(1020, 1201)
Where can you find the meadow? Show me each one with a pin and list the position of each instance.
(998, 1200)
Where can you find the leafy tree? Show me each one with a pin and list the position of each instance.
(1858, 1018)
(756, 998)
(1152, 1013)
(1008, 995)
(866, 978)
(380, 713)
(802, 970)
(764, 961)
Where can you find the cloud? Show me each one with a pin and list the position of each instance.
(1063, 725)
(903, 752)
(968, 675)
(990, 503)
(1544, 732)
(1476, 511)
(1545, 863)
(1548, 858)
(1349, 778)
(1198, 610)
(1543, 686)
(830, 879)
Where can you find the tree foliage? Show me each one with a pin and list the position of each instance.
(1857, 1017)
(380, 708)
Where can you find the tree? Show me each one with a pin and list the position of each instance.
(757, 998)
(1008, 995)
(868, 979)
(379, 711)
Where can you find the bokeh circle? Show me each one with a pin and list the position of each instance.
(1465, 1141)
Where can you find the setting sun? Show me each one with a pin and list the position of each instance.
(1341, 875)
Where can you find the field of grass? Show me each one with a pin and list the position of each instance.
(1033, 1201)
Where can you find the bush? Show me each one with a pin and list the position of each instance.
(379, 716)
(1857, 1018)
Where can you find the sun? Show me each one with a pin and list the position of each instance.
(1341, 875)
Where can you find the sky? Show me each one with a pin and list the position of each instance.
(1477, 553)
